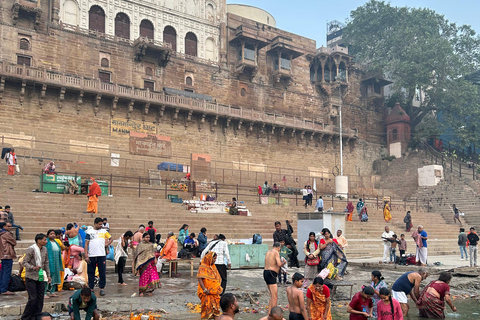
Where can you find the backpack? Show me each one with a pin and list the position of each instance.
(257, 238)
(184, 254)
(16, 284)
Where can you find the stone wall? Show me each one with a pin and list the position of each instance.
(78, 54)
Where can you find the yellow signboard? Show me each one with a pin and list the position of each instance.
(120, 127)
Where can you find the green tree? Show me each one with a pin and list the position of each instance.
(419, 49)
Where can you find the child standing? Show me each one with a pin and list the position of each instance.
(284, 252)
(296, 300)
(402, 247)
(393, 249)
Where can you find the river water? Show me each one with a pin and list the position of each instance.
(467, 310)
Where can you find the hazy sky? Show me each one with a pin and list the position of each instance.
(309, 18)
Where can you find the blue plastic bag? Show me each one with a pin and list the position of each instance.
(111, 253)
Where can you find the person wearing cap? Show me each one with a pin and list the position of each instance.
(94, 192)
(220, 247)
(473, 242)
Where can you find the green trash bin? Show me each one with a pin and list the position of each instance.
(55, 183)
(103, 186)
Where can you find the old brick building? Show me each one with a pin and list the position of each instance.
(215, 79)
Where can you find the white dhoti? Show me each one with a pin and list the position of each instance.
(386, 252)
(160, 263)
(421, 255)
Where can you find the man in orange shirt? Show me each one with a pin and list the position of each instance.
(94, 192)
(169, 252)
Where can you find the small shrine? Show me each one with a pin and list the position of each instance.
(398, 131)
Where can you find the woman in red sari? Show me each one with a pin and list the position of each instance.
(350, 209)
(209, 287)
(146, 266)
(432, 299)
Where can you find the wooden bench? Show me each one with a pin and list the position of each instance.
(170, 262)
(341, 283)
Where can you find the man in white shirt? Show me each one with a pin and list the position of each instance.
(96, 240)
(319, 205)
(220, 247)
(387, 244)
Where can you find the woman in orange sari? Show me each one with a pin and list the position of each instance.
(386, 211)
(350, 209)
(318, 301)
(209, 287)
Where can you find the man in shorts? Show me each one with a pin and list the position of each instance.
(84, 299)
(408, 284)
(270, 274)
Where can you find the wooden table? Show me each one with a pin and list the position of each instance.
(170, 262)
(336, 283)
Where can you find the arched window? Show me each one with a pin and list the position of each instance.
(210, 12)
(243, 92)
(189, 81)
(319, 73)
(146, 29)
(191, 44)
(170, 36)
(122, 26)
(149, 71)
(394, 135)
(334, 72)
(105, 63)
(342, 72)
(96, 19)
(210, 49)
(327, 75)
(24, 44)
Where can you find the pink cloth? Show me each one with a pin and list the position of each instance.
(417, 238)
(149, 279)
(74, 252)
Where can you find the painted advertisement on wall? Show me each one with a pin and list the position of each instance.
(150, 145)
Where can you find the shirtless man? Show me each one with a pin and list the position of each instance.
(229, 305)
(408, 284)
(72, 233)
(275, 314)
(270, 274)
(295, 299)
(137, 238)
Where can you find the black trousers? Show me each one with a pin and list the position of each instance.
(293, 257)
(120, 268)
(222, 270)
(101, 263)
(36, 292)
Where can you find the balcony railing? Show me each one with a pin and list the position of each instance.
(95, 86)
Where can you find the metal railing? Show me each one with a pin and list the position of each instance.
(460, 164)
(162, 188)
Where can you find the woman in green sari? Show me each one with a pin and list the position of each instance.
(54, 263)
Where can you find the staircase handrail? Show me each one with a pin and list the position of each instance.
(456, 164)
